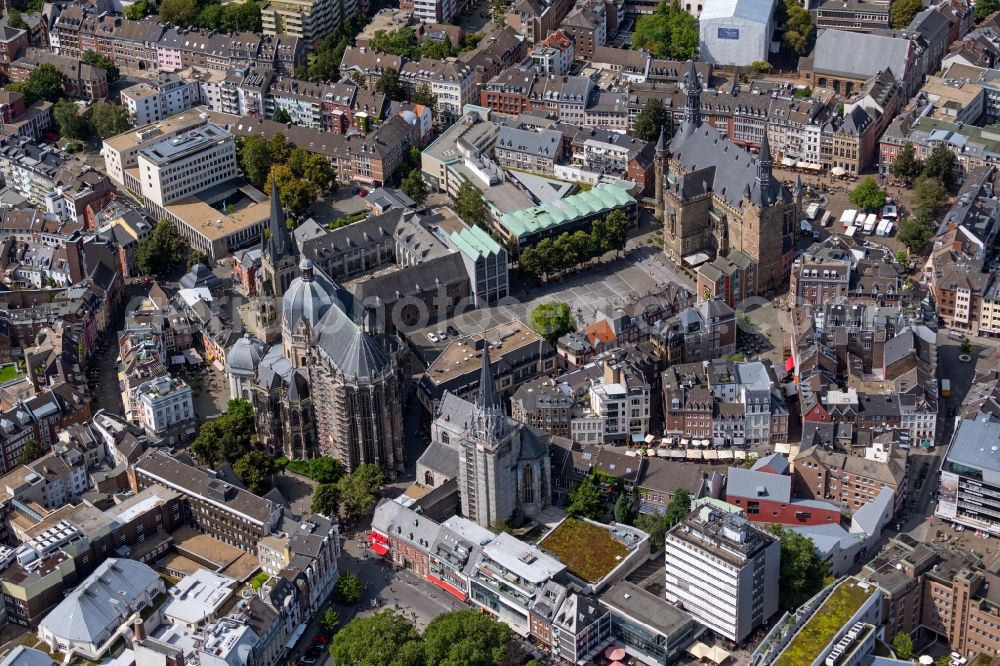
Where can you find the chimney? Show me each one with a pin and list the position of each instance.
(139, 630)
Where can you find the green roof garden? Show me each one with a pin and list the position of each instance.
(838, 609)
(602, 199)
(8, 372)
(588, 551)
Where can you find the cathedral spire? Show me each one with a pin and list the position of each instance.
(661, 143)
(490, 416)
(692, 97)
(279, 241)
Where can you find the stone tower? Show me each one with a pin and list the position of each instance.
(279, 255)
(660, 167)
(692, 97)
(764, 168)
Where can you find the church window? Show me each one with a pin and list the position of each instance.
(528, 485)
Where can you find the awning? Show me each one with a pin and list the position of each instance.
(649, 439)
(711, 454)
(713, 653)
(380, 548)
(789, 364)
(725, 454)
(838, 171)
(740, 455)
(787, 162)
(678, 454)
(694, 454)
(696, 259)
(193, 357)
(803, 165)
(178, 359)
(218, 365)
(783, 448)
(447, 587)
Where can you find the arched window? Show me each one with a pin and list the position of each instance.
(428, 478)
(528, 484)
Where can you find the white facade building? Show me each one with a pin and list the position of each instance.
(736, 32)
(152, 102)
(723, 571)
(164, 405)
(554, 54)
(618, 407)
(185, 164)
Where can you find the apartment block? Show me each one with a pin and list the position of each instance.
(167, 95)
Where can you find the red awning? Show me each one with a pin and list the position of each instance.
(380, 548)
(789, 364)
(447, 587)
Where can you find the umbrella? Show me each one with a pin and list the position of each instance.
(926, 660)
(838, 171)
(615, 653)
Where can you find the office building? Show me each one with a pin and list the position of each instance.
(723, 571)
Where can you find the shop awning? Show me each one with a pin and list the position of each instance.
(787, 162)
(714, 653)
(789, 364)
(838, 171)
(380, 548)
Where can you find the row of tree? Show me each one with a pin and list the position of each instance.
(931, 181)
(569, 250)
(231, 438)
(105, 119)
(403, 42)
(460, 638)
(227, 18)
(669, 32)
(300, 175)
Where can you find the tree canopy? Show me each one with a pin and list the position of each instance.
(231, 17)
(459, 638)
(69, 121)
(800, 32)
(109, 119)
(802, 572)
(985, 7)
(256, 470)
(296, 194)
(906, 165)
(162, 251)
(388, 84)
(255, 160)
(104, 62)
(941, 164)
(902, 645)
(358, 489)
(465, 638)
(669, 32)
(929, 195)
(137, 10)
(30, 452)
(586, 499)
(179, 12)
(44, 82)
(226, 438)
(469, 204)
(552, 321)
(868, 195)
(413, 186)
(649, 121)
(903, 12)
(348, 589)
(915, 233)
(326, 500)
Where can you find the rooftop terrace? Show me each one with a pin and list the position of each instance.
(588, 551)
(821, 628)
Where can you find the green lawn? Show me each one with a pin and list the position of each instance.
(838, 608)
(588, 551)
(9, 372)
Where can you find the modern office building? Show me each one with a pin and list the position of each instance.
(723, 571)
(186, 164)
(969, 492)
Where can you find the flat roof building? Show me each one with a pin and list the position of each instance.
(576, 212)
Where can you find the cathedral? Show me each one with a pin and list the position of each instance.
(319, 384)
(714, 198)
(501, 466)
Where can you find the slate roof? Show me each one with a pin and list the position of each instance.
(859, 54)
(751, 484)
(547, 143)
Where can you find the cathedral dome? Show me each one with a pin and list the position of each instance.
(244, 356)
(307, 298)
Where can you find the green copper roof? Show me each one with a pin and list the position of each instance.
(601, 199)
(474, 243)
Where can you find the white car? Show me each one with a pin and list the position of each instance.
(433, 338)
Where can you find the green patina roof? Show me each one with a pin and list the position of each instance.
(539, 218)
(475, 243)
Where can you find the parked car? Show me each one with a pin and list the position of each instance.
(452, 330)
(432, 337)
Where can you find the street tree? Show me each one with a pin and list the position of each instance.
(469, 204)
(800, 31)
(198, 257)
(181, 13)
(465, 638)
(348, 588)
(423, 95)
(69, 121)
(902, 645)
(256, 470)
(414, 186)
(109, 66)
(802, 572)
(109, 119)
(383, 639)
(388, 84)
(358, 490)
(868, 195)
(903, 12)
(941, 164)
(326, 500)
(586, 499)
(915, 234)
(328, 621)
(929, 195)
(651, 119)
(552, 321)
(985, 7)
(679, 507)
(44, 82)
(255, 160)
(162, 251)
(296, 194)
(906, 165)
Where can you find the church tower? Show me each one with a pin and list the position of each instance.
(692, 98)
(660, 168)
(764, 170)
(279, 256)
